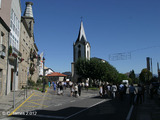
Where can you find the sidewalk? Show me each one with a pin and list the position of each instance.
(6, 102)
(149, 110)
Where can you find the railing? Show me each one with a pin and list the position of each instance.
(16, 51)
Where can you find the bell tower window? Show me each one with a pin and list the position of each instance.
(79, 51)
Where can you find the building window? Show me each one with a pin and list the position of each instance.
(0, 3)
(1, 40)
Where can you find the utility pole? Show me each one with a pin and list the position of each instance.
(44, 82)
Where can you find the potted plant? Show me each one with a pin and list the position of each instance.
(10, 51)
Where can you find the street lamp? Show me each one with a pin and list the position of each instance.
(43, 79)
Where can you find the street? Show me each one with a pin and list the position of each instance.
(88, 106)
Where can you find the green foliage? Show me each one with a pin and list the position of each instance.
(31, 68)
(31, 83)
(145, 76)
(122, 77)
(82, 66)
(10, 50)
(96, 69)
(39, 82)
(111, 74)
(132, 76)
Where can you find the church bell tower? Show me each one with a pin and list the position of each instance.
(81, 49)
(28, 16)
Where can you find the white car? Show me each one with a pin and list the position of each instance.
(158, 92)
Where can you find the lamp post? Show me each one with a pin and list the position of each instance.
(43, 79)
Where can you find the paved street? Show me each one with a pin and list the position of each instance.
(88, 106)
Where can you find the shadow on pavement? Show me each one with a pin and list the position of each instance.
(114, 109)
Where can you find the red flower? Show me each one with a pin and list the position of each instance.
(14, 55)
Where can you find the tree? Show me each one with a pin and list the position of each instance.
(132, 76)
(82, 68)
(145, 76)
(122, 77)
(96, 69)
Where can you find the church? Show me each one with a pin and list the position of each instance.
(81, 49)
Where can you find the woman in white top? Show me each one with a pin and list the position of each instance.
(76, 90)
(114, 89)
(101, 90)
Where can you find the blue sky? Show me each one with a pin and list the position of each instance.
(111, 26)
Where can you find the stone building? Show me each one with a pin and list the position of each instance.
(4, 33)
(28, 47)
(81, 49)
(25, 40)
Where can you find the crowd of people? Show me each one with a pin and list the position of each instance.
(118, 91)
(112, 90)
(105, 90)
(75, 88)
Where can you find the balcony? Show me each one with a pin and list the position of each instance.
(2, 50)
(16, 51)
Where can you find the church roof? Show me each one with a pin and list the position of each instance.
(28, 11)
(81, 35)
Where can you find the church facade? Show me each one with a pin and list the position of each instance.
(81, 49)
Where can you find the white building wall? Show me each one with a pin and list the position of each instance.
(15, 18)
(15, 23)
(87, 51)
(49, 71)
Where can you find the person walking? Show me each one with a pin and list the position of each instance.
(121, 91)
(109, 90)
(143, 92)
(61, 89)
(103, 87)
(114, 89)
(87, 86)
(132, 92)
(72, 90)
(139, 94)
(58, 88)
(79, 89)
(54, 87)
(125, 89)
(151, 90)
(49, 84)
(100, 91)
(76, 90)
(70, 84)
